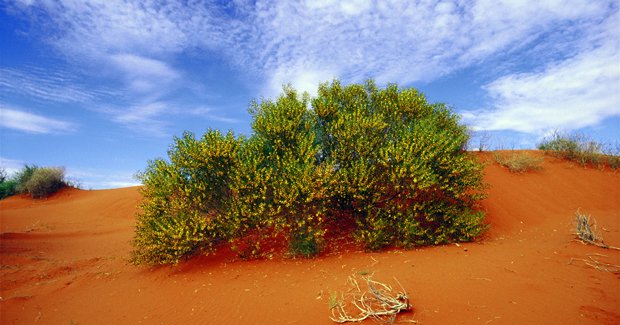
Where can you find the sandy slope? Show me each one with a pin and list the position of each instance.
(63, 260)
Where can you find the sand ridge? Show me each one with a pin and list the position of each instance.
(64, 260)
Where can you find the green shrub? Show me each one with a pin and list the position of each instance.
(580, 149)
(7, 186)
(22, 177)
(401, 171)
(44, 181)
(186, 201)
(518, 162)
(384, 161)
(38, 182)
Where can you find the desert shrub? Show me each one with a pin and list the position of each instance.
(44, 181)
(279, 185)
(7, 188)
(38, 182)
(7, 185)
(384, 161)
(580, 149)
(518, 162)
(186, 199)
(22, 177)
(401, 171)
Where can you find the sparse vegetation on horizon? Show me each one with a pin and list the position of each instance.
(385, 162)
(580, 149)
(518, 162)
(38, 182)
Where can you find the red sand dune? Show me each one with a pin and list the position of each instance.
(64, 260)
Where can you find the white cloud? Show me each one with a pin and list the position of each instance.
(571, 94)
(11, 166)
(210, 114)
(305, 42)
(303, 79)
(393, 41)
(101, 179)
(32, 123)
(48, 85)
(143, 74)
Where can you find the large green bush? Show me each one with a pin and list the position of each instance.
(385, 162)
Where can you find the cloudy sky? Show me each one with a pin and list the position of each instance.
(100, 87)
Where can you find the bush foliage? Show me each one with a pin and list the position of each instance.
(384, 161)
(580, 149)
(7, 185)
(38, 182)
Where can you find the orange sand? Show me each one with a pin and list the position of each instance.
(64, 260)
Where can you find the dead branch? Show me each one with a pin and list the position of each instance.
(586, 232)
(379, 302)
(596, 264)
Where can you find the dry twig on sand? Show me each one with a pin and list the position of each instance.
(596, 264)
(378, 302)
(587, 233)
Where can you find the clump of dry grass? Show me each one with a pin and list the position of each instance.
(378, 302)
(587, 232)
(518, 162)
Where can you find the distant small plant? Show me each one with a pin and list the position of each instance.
(45, 181)
(518, 162)
(38, 182)
(22, 177)
(581, 149)
(7, 185)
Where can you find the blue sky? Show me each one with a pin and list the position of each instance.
(100, 87)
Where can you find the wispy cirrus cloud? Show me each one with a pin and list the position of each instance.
(568, 94)
(48, 85)
(32, 123)
(11, 166)
(145, 75)
(397, 41)
(304, 42)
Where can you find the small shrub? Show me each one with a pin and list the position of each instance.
(38, 182)
(518, 162)
(7, 186)
(22, 177)
(580, 149)
(44, 181)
